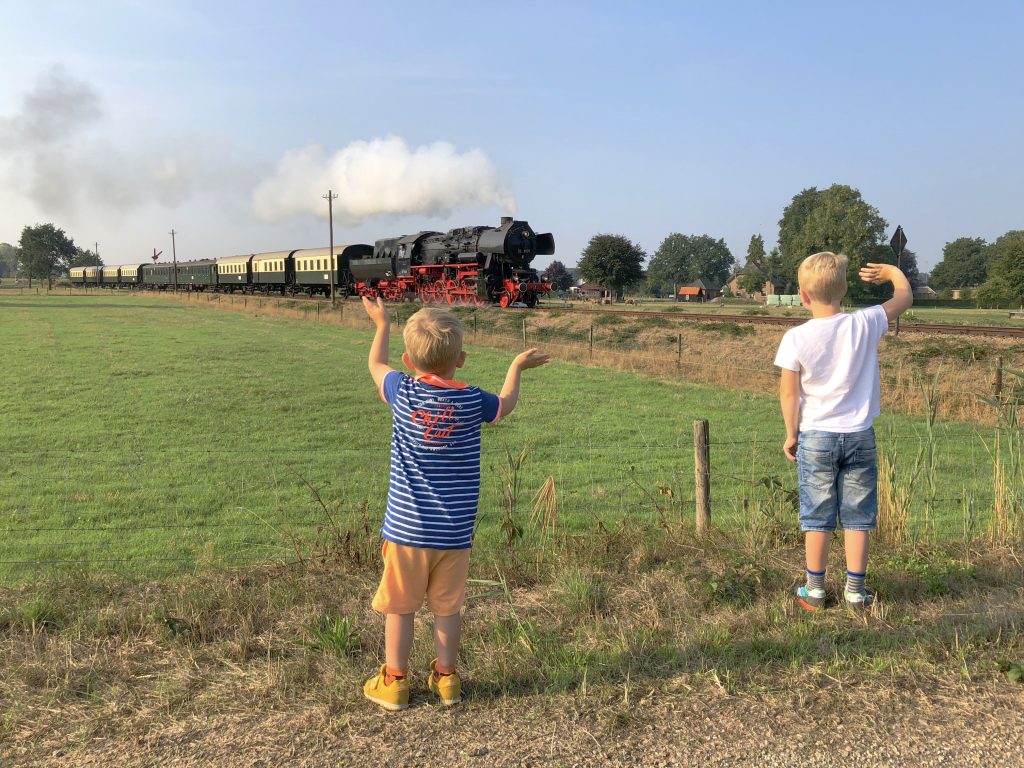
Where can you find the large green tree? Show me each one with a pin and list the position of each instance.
(964, 264)
(755, 271)
(10, 256)
(558, 276)
(671, 264)
(835, 219)
(1006, 271)
(612, 261)
(684, 258)
(46, 251)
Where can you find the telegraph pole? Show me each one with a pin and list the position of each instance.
(97, 250)
(330, 197)
(174, 252)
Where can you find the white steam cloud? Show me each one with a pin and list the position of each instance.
(47, 151)
(380, 177)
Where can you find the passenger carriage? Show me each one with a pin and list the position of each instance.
(197, 275)
(234, 273)
(273, 272)
(131, 274)
(314, 268)
(158, 276)
(110, 276)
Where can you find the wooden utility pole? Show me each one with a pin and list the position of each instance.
(702, 476)
(174, 252)
(330, 197)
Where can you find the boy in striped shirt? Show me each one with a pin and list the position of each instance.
(433, 491)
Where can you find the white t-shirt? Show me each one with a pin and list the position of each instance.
(837, 359)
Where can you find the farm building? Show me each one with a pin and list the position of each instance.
(591, 291)
(770, 286)
(699, 290)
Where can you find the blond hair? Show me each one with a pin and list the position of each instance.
(823, 276)
(433, 340)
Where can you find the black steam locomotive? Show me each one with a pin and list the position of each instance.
(471, 265)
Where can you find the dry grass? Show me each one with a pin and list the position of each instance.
(615, 614)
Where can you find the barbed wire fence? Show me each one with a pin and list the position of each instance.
(90, 510)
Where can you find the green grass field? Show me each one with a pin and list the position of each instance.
(148, 435)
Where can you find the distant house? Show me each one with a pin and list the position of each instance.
(590, 291)
(699, 290)
(770, 286)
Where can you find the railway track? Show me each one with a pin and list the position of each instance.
(707, 317)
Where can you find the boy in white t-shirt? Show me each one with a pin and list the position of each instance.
(830, 396)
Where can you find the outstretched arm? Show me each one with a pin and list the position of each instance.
(789, 398)
(531, 358)
(902, 294)
(378, 362)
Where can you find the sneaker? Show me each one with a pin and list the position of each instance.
(392, 697)
(809, 599)
(448, 687)
(859, 601)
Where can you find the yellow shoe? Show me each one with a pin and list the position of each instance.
(448, 687)
(392, 697)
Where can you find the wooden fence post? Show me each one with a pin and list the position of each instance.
(679, 350)
(474, 325)
(524, 331)
(999, 376)
(591, 341)
(702, 476)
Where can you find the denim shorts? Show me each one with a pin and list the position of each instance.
(838, 475)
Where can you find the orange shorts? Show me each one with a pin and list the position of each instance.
(412, 572)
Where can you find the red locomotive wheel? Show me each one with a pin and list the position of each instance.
(505, 300)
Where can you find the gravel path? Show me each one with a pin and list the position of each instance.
(980, 725)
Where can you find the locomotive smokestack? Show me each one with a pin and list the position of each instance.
(506, 221)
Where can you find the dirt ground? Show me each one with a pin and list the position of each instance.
(969, 726)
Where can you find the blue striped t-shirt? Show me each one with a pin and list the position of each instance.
(435, 459)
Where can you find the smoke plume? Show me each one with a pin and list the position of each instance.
(50, 150)
(379, 177)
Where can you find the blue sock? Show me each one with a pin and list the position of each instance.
(816, 579)
(854, 581)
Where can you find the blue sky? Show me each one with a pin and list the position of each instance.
(640, 119)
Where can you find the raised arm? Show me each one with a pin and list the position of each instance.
(789, 398)
(378, 361)
(531, 358)
(902, 294)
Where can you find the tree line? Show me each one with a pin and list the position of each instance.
(43, 253)
(989, 272)
(833, 219)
